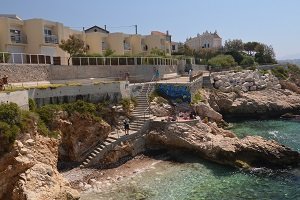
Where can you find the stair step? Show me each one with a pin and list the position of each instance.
(96, 151)
(85, 163)
(112, 137)
(93, 154)
(99, 148)
(106, 143)
(90, 157)
(87, 160)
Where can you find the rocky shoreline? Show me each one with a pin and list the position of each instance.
(29, 171)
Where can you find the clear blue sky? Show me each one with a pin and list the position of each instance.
(274, 22)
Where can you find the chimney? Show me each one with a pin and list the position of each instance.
(167, 32)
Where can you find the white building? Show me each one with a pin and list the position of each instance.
(206, 40)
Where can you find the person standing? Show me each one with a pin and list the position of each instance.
(126, 127)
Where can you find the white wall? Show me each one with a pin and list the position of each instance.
(18, 97)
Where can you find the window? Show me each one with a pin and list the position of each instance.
(47, 31)
(173, 47)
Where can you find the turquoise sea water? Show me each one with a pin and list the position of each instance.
(193, 178)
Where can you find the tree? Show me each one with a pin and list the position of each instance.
(185, 50)
(238, 57)
(222, 61)
(74, 46)
(250, 47)
(234, 45)
(206, 53)
(265, 54)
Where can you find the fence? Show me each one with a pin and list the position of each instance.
(22, 58)
(123, 61)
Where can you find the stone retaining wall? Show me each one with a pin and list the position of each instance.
(25, 73)
(245, 81)
(35, 72)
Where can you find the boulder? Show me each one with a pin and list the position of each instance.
(204, 110)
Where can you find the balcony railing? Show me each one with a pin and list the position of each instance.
(127, 46)
(17, 38)
(53, 39)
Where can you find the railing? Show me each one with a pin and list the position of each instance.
(22, 58)
(17, 38)
(147, 97)
(81, 61)
(53, 39)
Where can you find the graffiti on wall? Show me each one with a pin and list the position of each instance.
(175, 92)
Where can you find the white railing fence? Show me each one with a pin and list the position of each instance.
(22, 58)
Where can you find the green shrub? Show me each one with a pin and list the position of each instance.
(10, 113)
(126, 104)
(197, 97)
(32, 105)
(280, 72)
(10, 132)
(47, 113)
(247, 61)
(80, 107)
(222, 61)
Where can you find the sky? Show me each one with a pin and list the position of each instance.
(273, 22)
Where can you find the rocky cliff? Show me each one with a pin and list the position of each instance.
(223, 146)
(78, 134)
(255, 104)
(28, 171)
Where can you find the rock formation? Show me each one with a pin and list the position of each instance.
(28, 171)
(160, 107)
(257, 104)
(245, 81)
(78, 134)
(223, 146)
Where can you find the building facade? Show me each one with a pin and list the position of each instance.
(206, 40)
(39, 36)
(127, 44)
(33, 36)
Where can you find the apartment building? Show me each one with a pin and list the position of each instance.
(99, 40)
(39, 36)
(205, 40)
(33, 36)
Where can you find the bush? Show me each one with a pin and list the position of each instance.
(80, 107)
(10, 113)
(247, 61)
(197, 97)
(126, 104)
(32, 105)
(47, 113)
(222, 61)
(280, 72)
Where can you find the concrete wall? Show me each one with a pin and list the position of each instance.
(18, 97)
(92, 93)
(31, 73)
(136, 72)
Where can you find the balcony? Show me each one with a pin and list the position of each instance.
(52, 39)
(127, 47)
(18, 39)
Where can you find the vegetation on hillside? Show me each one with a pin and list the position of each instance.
(14, 121)
(245, 54)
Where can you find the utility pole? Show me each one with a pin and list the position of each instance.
(135, 29)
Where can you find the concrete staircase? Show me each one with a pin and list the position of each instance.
(141, 115)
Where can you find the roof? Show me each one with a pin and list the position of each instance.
(216, 35)
(97, 28)
(11, 16)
